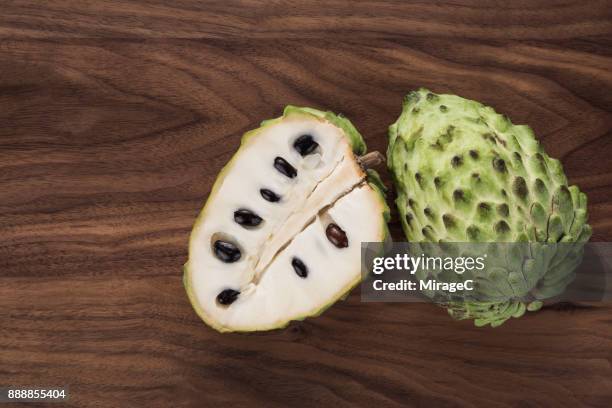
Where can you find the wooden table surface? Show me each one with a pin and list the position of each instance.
(115, 117)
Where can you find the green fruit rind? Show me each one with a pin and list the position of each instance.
(338, 120)
(465, 173)
(377, 185)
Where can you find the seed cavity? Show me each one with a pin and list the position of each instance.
(247, 218)
(474, 154)
(226, 251)
(269, 195)
(443, 108)
(298, 266)
(437, 182)
(284, 167)
(336, 236)
(409, 218)
(428, 212)
(305, 145)
(227, 297)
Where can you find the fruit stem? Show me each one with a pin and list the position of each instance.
(372, 159)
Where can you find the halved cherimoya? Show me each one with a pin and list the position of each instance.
(279, 238)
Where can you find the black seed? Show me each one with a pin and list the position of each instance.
(474, 154)
(336, 236)
(416, 110)
(519, 187)
(456, 161)
(284, 167)
(227, 296)
(269, 195)
(226, 251)
(247, 218)
(517, 156)
(476, 176)
(305, 145)
(437, 182)
(298, 266)
(502, 227)
(499, 164)
(449, 221)
(411, 202)
(503, 192)
(431, 97)
(428, 212)
(443, 108)
(409, 218)
(503, 210)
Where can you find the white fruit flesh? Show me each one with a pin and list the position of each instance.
(329, 187)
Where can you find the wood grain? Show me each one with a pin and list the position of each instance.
(115, 118)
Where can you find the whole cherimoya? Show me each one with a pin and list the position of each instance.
(279, 238)
(465, 173)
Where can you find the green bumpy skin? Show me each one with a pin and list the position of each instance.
(465, 173)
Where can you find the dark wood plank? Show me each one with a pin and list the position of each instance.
(112, 131)
(493, 20)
